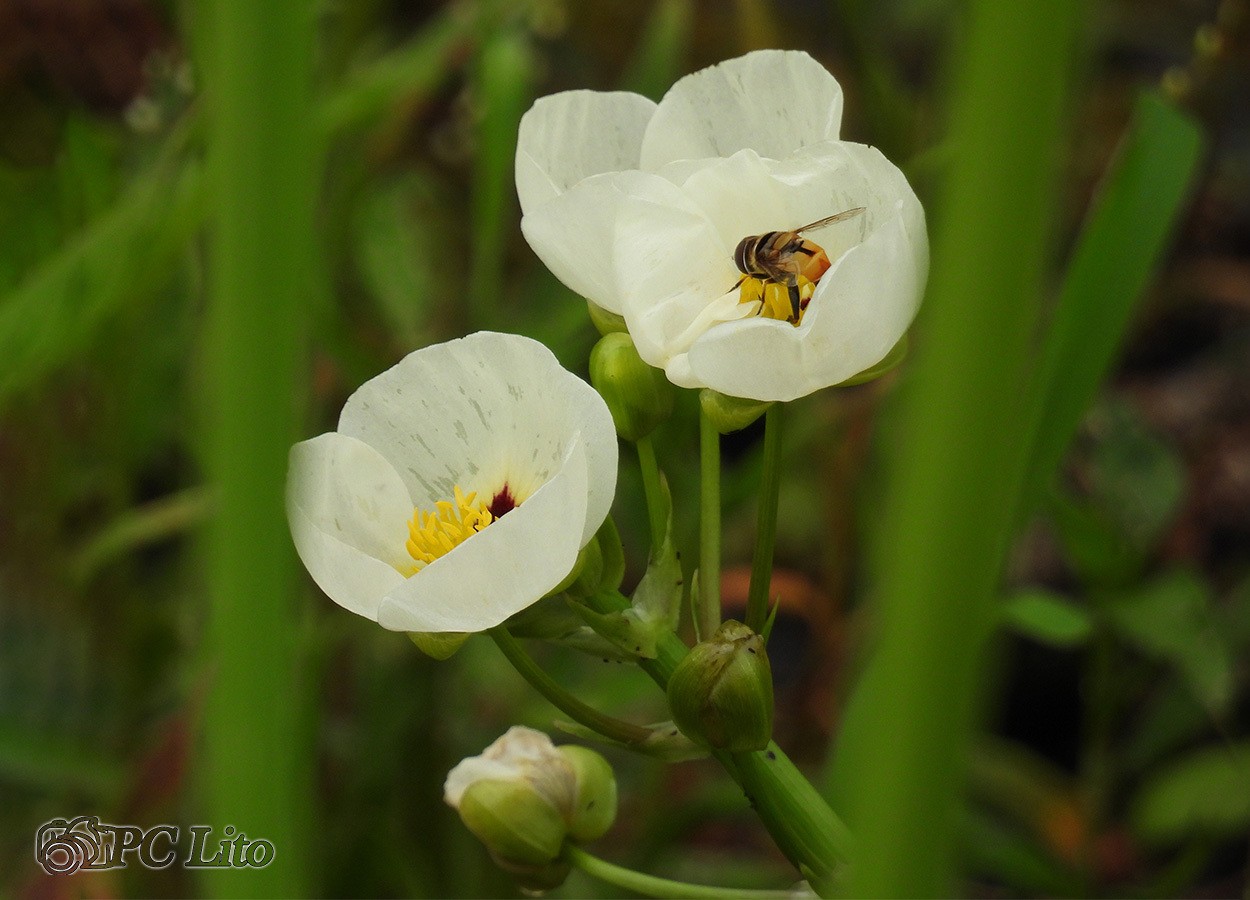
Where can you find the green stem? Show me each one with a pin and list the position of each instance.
(652, 489)
(651, 886)
(257, 749)
(766, 530)
(708, 607)
(614, 729)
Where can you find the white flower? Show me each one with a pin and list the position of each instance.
(459, 487)
(639, 208)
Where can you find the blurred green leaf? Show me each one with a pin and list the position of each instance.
(1098, 551)
(1141, 198)
(657, 60)
(88, 175)
(51, 763)
(992, 849)
(1137, 479)
(120, 257)
(1166, 721)
(372, 90)
(1047, 617)
(1207, 792)
(394, 237)
(1235, 613)
(503, 91)
(1171, 619)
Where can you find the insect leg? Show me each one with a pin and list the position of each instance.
(796, 300)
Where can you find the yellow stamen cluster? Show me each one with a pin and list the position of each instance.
(774, 298)
(434, 534)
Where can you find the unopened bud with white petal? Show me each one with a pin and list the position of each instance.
(523, 797)
(721, 694)
(638, 396)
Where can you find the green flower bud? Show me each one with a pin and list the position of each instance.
(594, 804)
(605, 322)
(721, 694)
(730, 413)
(523, 797)
(639, 396)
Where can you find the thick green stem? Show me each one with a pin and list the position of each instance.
(651, 886)
(255, 769)
(766, 530)
(615, 729)
(652, 489)
(802, 824)
(707, 609)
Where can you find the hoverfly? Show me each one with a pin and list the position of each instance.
(784, 257)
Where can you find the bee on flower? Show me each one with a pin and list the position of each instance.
(748, 248)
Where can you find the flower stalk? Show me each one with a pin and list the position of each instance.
(611, 728)
(766, 530)
(707, 607)
(635, 882)
(651, 488)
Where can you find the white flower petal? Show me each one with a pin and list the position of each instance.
(482, 411)
(573, 233)
(671, 266)
(348, 511)
(520, 755)
(570, 136)
(772, 101)
(502, 569)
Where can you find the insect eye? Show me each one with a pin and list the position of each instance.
(740, 255)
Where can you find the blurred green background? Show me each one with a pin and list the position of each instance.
(217, 221)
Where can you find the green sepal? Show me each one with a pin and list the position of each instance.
(612, 554)
(665, 743)
(656, 604)
(605, 322)
(594, 801)
(439, 645)
(554, 620)
(600, 565)
(728, 414)
(897, 354)
(514, 821)
(769, 622)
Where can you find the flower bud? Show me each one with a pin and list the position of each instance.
(524, 796)
(639, 396)
(729, 414)
(721, 694)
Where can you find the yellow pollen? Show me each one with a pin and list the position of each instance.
(774, 297)
(434, 534)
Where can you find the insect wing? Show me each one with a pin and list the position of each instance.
(829, 220)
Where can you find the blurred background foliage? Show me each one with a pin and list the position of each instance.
(1114, 758)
